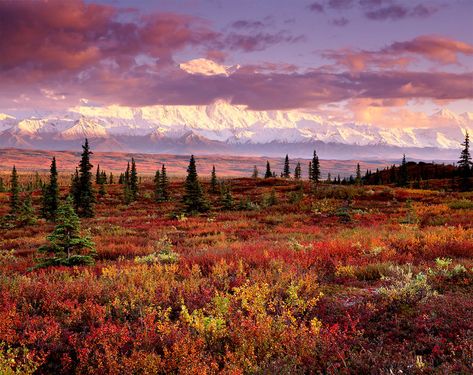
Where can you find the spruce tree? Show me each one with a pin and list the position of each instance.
(66, 245)
(194, 199)
(329, 178)
(255, 173)
(465, 165)
(14, 193)
(2, 186)
(213, 181)
(133, 180)
(287, 169)
(164, 182)
(51, 194)
(121, 179)
(297, 171)
(226, 198)
(315, 175)
(268, 173)
(26, 213)
(403, 173)
(358, 174)
(85, 206)
(110, 179)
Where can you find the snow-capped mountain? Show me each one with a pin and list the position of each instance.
(224, 128)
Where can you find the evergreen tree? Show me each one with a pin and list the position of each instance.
(226, 197)
(213, 181)
(157, 186)
(315, 175)
(51, 194)
(133, 180)
(26, 214)
(329, 178)
(66, 245)
(297, 171)
(194, 199)
(465, 165)
(2, 186)
(287, 170)
(268, 173)
(164, 182)
(110, 179)
(85, 205)
(126, 176)
(14, 193)
(121, 179)
(358, 174)
(255, 173)
(403, 174)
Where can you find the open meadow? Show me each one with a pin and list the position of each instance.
(279, 276)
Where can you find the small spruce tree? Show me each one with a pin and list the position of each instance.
(287, 168)
(66, 245)
(268, 173)
(255, 173)
(226, 197)
(164, 182)
(315, 175)
(194, 199)
(297, 171)
(213, 181)
(14, 192)
(465, 165)
(358, 174)
(51, 194)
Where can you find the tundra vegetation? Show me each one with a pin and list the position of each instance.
(273, 275)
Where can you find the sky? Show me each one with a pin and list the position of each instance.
(383, 62)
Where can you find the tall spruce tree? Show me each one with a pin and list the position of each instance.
(315, 175)
(297, 171)
(213, 181)
(14, 192)
(403, 173)
(164, 182)
(358, 174)
(465, 165)
(158, 194)
(268, 173)
(194, 199)
(133, 180)
(66, 245)
(2, 186)
(51, 194)
(287, 168)
(86, 194)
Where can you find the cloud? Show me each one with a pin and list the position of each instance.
(316, 7)
(398, 12)
(342, 21)
(400, 54)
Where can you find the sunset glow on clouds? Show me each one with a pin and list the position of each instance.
(375, 60)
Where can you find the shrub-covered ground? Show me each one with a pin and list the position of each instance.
(340, 279)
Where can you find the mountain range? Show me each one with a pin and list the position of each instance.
(223, 128)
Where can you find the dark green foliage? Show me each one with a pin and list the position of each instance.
(51, 194)
(2, 186)
(287, 168)
(161, 185)
(358, 174)
(194, 199)
(74, 190)
(110, 179)
(133, 180)
(98, 175)
(403, 173)
(315, 168)
(26, 214)
(268, 173)
(84, 198)
(213, 181)
(66, 245)
(297, 171)
(270, 199)
(465, 165)
(14, 193)
(226, 198)
(121, 179)
(310, 171)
